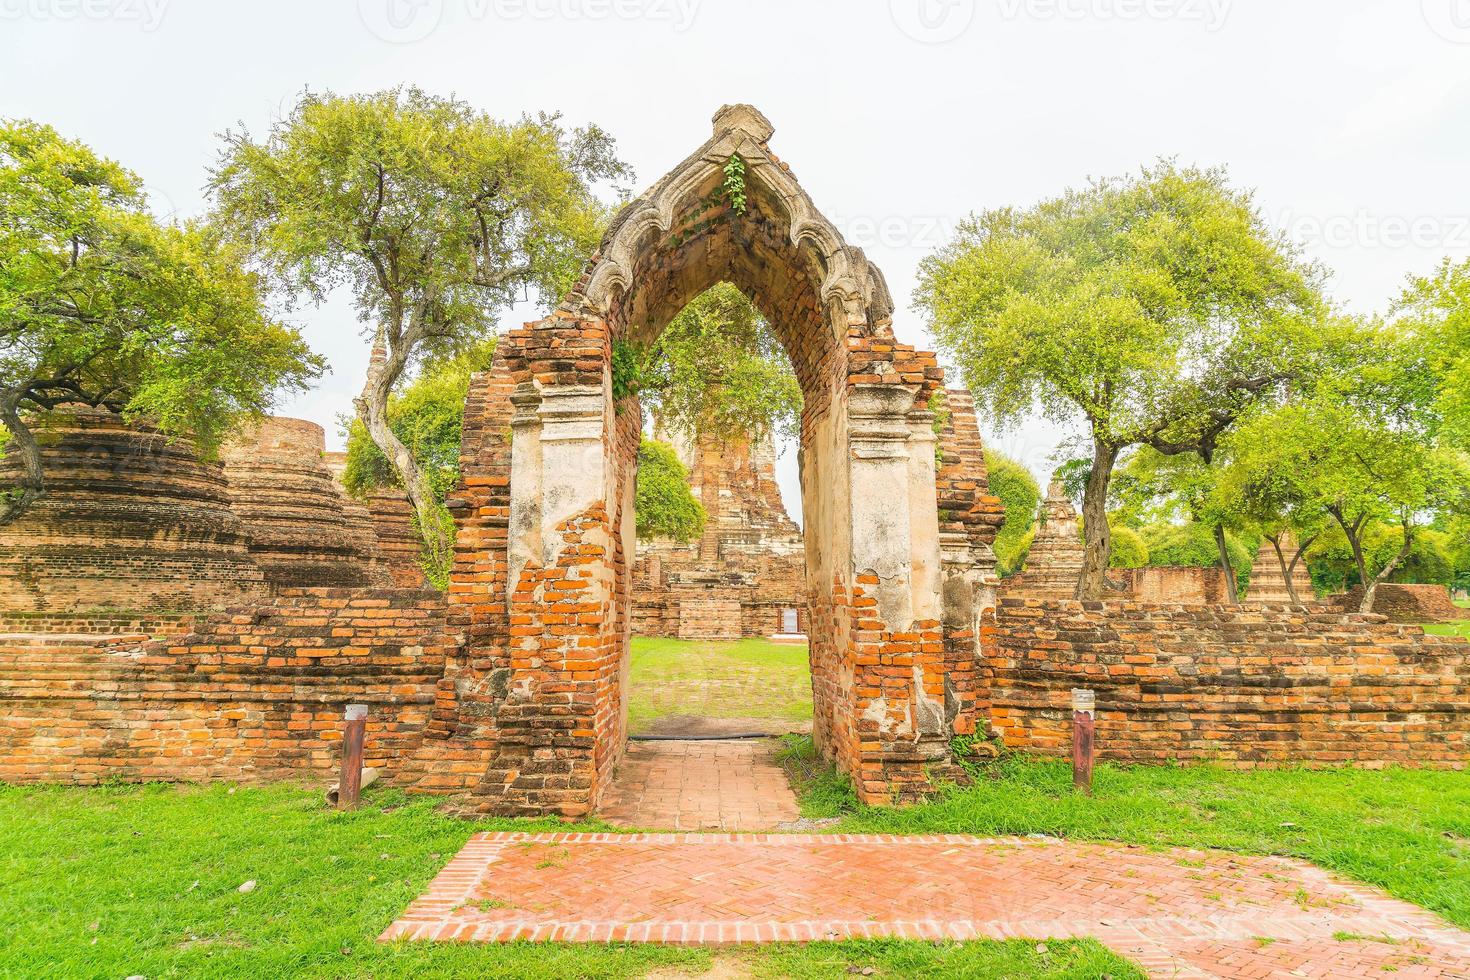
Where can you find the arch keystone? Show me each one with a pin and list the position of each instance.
(743, 118)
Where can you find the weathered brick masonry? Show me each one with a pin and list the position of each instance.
(304, 531)
(1403, 603)
(254, 694)
(131, 521)
(1273, 685)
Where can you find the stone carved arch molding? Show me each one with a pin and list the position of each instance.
(846, 281)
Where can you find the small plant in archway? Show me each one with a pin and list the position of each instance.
(734, 186)
(627, 369)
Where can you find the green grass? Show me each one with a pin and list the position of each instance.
(741, 679)
(1459, 628)
(116, 881)
(1407, 831)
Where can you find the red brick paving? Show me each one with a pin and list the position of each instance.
(1179, 913)
(714, 785)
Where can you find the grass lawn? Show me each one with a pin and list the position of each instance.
(116, 881)
(740, 679)
(1407, 831)
(1460, 628)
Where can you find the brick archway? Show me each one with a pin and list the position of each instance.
(546, 507)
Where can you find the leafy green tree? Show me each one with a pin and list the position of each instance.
(1155, 308)
(1434, 312)
(664, 506)
(1428, 561)
(1021, 495)
(102, 305)
(718, 368)
(427, 416)
(1193, 545)
(1361, 448)
(1158, 488)
(435, 216)
(1129, 548)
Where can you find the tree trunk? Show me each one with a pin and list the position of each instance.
(372, 407)
(1095, 522)
(1286, 570)
(17, 499)
(1370, 589)
(1232, 587)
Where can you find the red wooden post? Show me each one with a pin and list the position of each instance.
(354, 733)
(1084, 705)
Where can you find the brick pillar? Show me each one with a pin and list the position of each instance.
(561, 727)
(896, 648)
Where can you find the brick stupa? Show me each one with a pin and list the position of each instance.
(391, 516)
(304, 531)
(746, 575)
(1054, 563)
(1268, 583)
(131, 521)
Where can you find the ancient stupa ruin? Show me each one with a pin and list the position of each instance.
(745, 576)
(304, 531)
(1054, 564)
(391, 517)
(1268, 581)
(131, 521)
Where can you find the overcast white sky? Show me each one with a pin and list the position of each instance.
(1350, 118)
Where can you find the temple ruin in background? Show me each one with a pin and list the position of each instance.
(746, 575)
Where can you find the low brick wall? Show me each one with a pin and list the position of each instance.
(1248, 687)
(1404, 603)
(252, 695)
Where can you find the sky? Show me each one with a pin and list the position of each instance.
(1350, 119)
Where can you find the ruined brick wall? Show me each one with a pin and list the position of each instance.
(97, 623)
(130, 521)
(252, 695)
(398, 539)
(1171, 584)
(1248, 687)
(1403, 603)
(304, 530)
(969, 520)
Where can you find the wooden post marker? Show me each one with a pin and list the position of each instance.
(354, 733)
(1084, 707)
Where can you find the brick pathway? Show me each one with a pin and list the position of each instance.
(1176, 913)
(734, 785)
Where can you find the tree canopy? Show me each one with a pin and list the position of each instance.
(718, 368)
(433, 215)
(1154, 308)
(664, 506)
(1021, 495)
(103, 305)
(1434, 315)
(1357, 451)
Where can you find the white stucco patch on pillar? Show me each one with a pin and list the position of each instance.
(524, 543)
(924, 518)
(558, 467)
(878, 440)
(573, 455)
